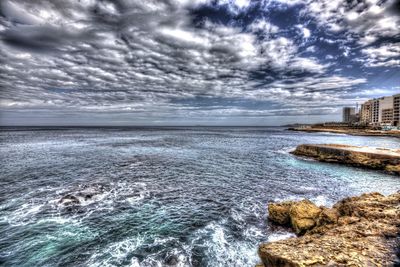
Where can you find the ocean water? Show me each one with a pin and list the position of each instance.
(161, 197)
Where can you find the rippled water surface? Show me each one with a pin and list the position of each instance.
(160, 197)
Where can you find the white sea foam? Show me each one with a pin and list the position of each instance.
(24, 215)
(101, 200)
(308, 188)
(221, 247)
(253, 232)
(285, 150)
(114, 254)
(287, 198)
(319, 200)
(118, 252)
(279, 236)
(106, 199)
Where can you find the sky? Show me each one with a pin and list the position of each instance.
(194, 62)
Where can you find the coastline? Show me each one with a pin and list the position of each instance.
(356, 231)
(349, 131)
(366, 157)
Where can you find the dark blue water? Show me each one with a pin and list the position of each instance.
(160, 197)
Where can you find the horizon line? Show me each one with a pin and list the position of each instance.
(148, 126)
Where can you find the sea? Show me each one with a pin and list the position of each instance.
(168, 196)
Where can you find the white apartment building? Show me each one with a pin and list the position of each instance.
(383, 111)
(385, 114)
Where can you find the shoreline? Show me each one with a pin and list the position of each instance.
(356, 231)
(366, 157)
(350, 131)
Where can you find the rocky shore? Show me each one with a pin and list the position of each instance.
(350, 131)
(356, 231)
(373, 158)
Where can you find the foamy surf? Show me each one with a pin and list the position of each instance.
(182, 197)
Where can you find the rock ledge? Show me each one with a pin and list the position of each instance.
(357, 231)
(367, 157)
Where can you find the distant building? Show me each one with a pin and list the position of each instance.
(383, 111)
(366, 113)
(349, 114)
(396, 110)
(375, 112)
(386, 111)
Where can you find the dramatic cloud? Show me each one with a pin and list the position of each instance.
(387, 55)
(367, 21)
(183, 62)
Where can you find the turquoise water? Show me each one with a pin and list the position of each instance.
(161, 197)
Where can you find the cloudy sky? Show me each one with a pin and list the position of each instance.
(194, 62)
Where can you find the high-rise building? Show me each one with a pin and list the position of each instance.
(375, 111)
(396, 110)
(386, 111)
(349, 114)
(366, 113)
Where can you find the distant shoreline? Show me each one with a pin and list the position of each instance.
(350, 131)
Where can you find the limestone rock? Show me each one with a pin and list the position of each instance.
(367, 157)
(357, 231)
(304, 215)
(327, 216)
(393, 168)
(279, 212)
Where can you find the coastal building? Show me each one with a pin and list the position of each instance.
(383, 111)
(365, 113)
(385, 115)
(396, 110)
(349, 114)
(375, 112)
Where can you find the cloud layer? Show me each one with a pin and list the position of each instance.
(189, 62)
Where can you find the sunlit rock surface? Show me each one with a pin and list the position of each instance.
(357, 231)
(367, 157)
(279, 212)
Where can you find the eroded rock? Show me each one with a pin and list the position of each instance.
(327, 216)
(303, 215)
(280, 212)
(357, 231)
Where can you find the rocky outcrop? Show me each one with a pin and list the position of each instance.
(374, 158)
(357, 231)
(303, 215)
(83, 194)
(279, 212)
(69, 200)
